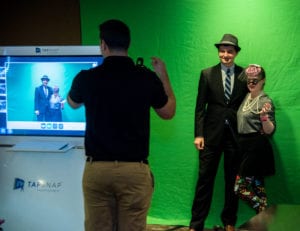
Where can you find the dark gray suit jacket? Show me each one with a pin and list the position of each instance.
(211, 109)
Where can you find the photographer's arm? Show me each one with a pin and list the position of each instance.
(72, 103)
(167, 111)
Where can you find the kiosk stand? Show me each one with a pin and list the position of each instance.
(41, 190)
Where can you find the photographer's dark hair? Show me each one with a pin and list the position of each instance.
(115, 33)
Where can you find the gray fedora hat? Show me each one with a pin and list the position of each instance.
(45, 77)
(229, 39)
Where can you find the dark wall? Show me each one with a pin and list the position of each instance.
(40, 22)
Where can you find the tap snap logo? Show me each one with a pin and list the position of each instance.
(46, 50)
(37, 50)
(38, 185)
(19, 184)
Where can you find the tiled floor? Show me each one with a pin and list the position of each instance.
(275, 218)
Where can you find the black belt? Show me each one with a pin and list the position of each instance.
(92, 159)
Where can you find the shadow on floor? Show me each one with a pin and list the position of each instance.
(275, 218)
(169, 228)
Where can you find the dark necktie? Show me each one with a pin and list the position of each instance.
(227, 85)
(46, 91)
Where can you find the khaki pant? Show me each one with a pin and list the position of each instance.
(117, 195)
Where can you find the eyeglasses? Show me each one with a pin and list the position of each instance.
(253, 81)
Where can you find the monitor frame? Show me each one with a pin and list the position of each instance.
(48, 51)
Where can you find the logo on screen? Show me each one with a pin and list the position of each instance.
(19, 184)
(37, 50)
(44, 50)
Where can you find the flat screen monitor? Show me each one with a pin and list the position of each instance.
(22, 72)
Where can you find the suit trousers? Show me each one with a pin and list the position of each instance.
(117, 195)
(209, 159)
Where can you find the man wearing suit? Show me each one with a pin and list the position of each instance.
(215, 125)
(42, 100)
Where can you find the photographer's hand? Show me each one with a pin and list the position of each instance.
(159, 67)
(168, 111)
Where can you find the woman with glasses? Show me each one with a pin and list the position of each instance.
(256, 124)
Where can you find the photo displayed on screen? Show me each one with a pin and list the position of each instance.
(33, 92)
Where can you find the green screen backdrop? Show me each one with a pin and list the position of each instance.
(183, 33)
